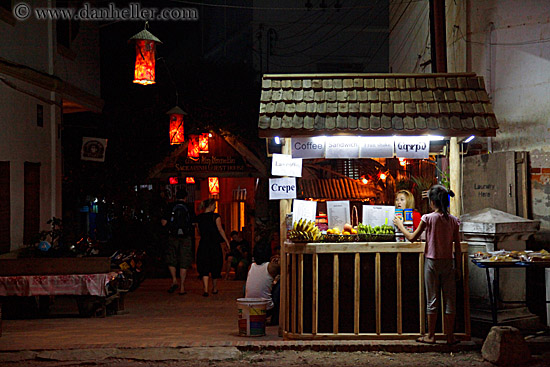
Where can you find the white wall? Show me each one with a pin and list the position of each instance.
(508, 43)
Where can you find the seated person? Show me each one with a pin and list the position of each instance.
(238, 256)
(261, 276)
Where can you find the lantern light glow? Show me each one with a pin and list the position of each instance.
(203, 143)
(193, 146)
(173, 180)
(190, 180)
(144, 72)
(214, 185)
(176, 125)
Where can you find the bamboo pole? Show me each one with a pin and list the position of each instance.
(399, 296)
(454, 176)
(378, 297)
(357, 294)
(335, 295)
(300, 293)
(315, 296)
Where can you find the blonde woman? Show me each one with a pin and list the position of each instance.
(209, 253)
(404, 199)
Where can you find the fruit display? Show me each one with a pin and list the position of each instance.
(368, 229)
(304, 231)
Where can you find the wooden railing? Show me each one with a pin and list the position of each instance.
(331, 290)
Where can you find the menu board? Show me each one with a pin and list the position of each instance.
(379, 147)
(377, 215)
(412, 147)
(338, 214)
(304, 209)
(342, 147)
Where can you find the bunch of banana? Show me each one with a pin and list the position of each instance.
(304, 230)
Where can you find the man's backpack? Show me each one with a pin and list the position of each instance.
(180, 221)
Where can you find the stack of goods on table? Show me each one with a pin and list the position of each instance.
(512, 256)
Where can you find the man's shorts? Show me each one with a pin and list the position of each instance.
(180, 252)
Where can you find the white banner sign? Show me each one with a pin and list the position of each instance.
(376, 147)
(338, 214)
(93, 149)
(342, 147)
(412, 147)
(282, 188)
(285, 165)
(304, 209)
(377, 215)
(313, 147)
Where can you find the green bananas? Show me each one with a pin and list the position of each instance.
(368, 229)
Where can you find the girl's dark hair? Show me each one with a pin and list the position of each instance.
(439, 195)
(206, 203)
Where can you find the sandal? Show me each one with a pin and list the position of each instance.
(425, 340)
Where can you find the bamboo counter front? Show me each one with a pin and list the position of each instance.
(360, 290)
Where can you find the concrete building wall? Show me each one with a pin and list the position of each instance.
(508, 43)
(353, 38)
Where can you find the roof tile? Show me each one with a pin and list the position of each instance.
(337, 83)
(321, 107)
(296, 83)
(480, 123)
(364, 122)
(348, 83)
(410, 83)
(440, 82)
(385, 122)
(343, 108)
(330, 122)
(462, 83)
(275, 84)
(352, 122)
(387, 108)
(421, 83)
(288, 94)
(399, 108)
(298, 95)
(327, 84)
(319, 122)
(492, 122)
(427, 96)
(308, 122)
(342, 95)
(266, 96)
(277, 95)
(390, 83)
(276, 122)
(301, 107)
(420, 122)
(422, 108)
(354, 107)
(482, 95)
(368, 83)
(401, 83)
(379, 83)
(352, 95)
(444, 108)
(432, 123)
(473, 83)
(341, 122)
(270, 108)
(364, 108)
(297, 122)
(376, 107)
(362, 95)
(456, 124)
(266, 83)
(332, 107)
(467, 108)
(280, 108)
(384, 96)
(405, 96)
(460, 96)
(373, 95)
(410, 108)
(481, 82)
(439, 95)
(450, 96)
(375, 122)
(468, 123)
(263, 108)
(330, 96)
(358, 83)
(452, 83)
(311, 108)
(433, 108)
(416, 95)
(431, 83)
(455, 108)
(319, 96)
(308, 95)
(317, 84)
(478, 108)
(286, 84)
(306, 84)
(408, 123)
(290, 108)
(264, 121)
(443, 122)
(397, 123)
(471, 96)
(395, 96)
(488, 109)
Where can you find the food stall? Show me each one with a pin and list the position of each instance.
(356, 287)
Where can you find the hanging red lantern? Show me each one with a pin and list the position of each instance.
(203, 143)
(176, 125)
(193, 146)
(144, 72)
(173, 180)
(213, 185)
(190, 180)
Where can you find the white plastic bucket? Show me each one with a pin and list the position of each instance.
(252, 312)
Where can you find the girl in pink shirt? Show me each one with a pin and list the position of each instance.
(440, 268)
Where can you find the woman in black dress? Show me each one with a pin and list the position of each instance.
(209, 253)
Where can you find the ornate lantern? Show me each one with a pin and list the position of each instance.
(213, 185)
(203, 143)
(193, 146)
(176, 125)
(173, 180)
(144, 72)
(190, 180)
